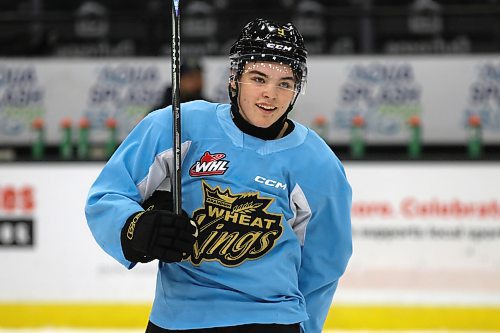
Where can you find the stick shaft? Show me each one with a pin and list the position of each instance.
(176, 108)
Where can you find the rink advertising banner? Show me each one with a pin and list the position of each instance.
(17, 205)
(426, 235)
(387, 91)
(43, 233)
(54, 90)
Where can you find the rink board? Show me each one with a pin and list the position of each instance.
(426, 251)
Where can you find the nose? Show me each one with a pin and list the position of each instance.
(270, 91)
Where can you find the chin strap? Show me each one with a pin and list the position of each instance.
(264, 133)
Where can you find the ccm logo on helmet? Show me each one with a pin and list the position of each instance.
(279, 47)
(270, 182)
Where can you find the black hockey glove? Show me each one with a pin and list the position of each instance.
(163, 200)
(157, 234)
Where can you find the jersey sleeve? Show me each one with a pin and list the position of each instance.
(327, 243)
(116, 193)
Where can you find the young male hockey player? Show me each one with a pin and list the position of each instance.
(265, 234)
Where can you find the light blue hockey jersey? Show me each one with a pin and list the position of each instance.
(273, 219)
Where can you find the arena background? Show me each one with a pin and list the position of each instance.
(426, 222)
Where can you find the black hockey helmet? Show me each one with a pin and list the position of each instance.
(264, 40)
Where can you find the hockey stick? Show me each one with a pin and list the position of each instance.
(176, 107)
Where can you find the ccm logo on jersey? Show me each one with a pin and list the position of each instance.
(209, 165)
(270, 182)
(279, 47)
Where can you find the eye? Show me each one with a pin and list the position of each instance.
(286, 85)
(258, 79)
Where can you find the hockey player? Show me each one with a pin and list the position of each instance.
(265, 234)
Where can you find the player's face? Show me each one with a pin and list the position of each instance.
(266, 89)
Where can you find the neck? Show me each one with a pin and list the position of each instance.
(283, 130)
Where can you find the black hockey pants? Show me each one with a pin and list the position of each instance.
(250, 328)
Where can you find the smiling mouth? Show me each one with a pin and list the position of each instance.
(267, 108)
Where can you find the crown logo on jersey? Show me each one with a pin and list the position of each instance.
(209, 165)
(234, 227)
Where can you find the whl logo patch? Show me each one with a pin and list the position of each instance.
(209, 165)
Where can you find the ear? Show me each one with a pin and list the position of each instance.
(232, 87)
(232, 84)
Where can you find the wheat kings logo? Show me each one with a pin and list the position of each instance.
(234, 228)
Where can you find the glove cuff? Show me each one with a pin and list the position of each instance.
(126, 237)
